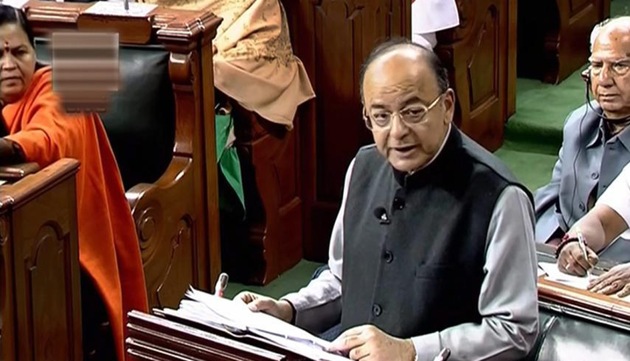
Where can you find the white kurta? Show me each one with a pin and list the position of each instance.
(430, 16)
(617, 197)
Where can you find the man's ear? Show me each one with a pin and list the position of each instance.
(449, 104)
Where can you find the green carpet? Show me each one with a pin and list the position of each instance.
(292, 280)
(532, 138)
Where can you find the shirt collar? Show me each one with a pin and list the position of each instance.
(599, 138)
(431, 169)
(448, 132)
(599, 135)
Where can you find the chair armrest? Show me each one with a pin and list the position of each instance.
(17, 171)
(164, 214)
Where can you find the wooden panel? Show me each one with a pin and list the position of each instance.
(480, 60)
(41, 309)
(512, 45)
(557, 44)
(333, 38)
(274, 237)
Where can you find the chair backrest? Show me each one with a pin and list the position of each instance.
(563, 337)
(140, 121)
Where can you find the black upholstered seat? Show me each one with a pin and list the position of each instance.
(140, 121)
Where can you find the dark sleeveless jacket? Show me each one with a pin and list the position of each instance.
(414, 245)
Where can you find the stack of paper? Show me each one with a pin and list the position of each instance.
(237, 319)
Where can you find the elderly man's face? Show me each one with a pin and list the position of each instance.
(610, 72)
(402, 82)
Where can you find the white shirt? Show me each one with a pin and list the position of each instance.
(617, 197)
(429, 16)
(508, 301)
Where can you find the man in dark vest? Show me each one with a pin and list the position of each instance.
(433, 246)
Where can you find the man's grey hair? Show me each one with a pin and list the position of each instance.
(616, 21)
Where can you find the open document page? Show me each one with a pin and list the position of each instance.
(236, 318)
(554, 274)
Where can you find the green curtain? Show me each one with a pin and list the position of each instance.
(227, 156)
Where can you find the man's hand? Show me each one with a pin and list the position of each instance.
(279, 309)
(572, 261)
(368, 343)
(613, 281)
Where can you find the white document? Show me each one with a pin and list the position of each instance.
(118, 9)
(236, 318)
(18, 4)
(554, 274)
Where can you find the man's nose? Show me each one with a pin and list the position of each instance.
(605, 75)
(399, 129)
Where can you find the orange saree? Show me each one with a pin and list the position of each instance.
(108, 245)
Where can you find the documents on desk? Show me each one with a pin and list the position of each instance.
(554, 274)
(235, 318)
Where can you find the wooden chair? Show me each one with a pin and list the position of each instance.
(171, 190)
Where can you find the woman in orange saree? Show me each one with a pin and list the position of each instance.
(37, 129)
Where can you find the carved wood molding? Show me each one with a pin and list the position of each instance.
(180, 30)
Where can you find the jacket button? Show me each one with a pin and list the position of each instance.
(377, 310)
(582, 207)
(594, 175)
(388, 256)
(399, 203)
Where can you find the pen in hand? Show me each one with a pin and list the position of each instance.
(443, 355)
(582, 243)
(221, 284)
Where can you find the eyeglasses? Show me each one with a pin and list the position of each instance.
(616, 68)
(378, 119)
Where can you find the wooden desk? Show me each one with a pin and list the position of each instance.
(581, 303)
(39, 266)
(155, 338)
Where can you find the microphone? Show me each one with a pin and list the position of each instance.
(381, 214)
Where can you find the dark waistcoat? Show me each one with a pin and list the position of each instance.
(414, 245)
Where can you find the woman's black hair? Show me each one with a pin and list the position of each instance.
(11, 15)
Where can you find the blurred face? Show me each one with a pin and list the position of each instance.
(407, 113)
(17, 63)
(610, 72)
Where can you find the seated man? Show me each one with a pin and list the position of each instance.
(36, 129)
(433, 244)
(601, 225)
(429, 17)
(596, 142)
